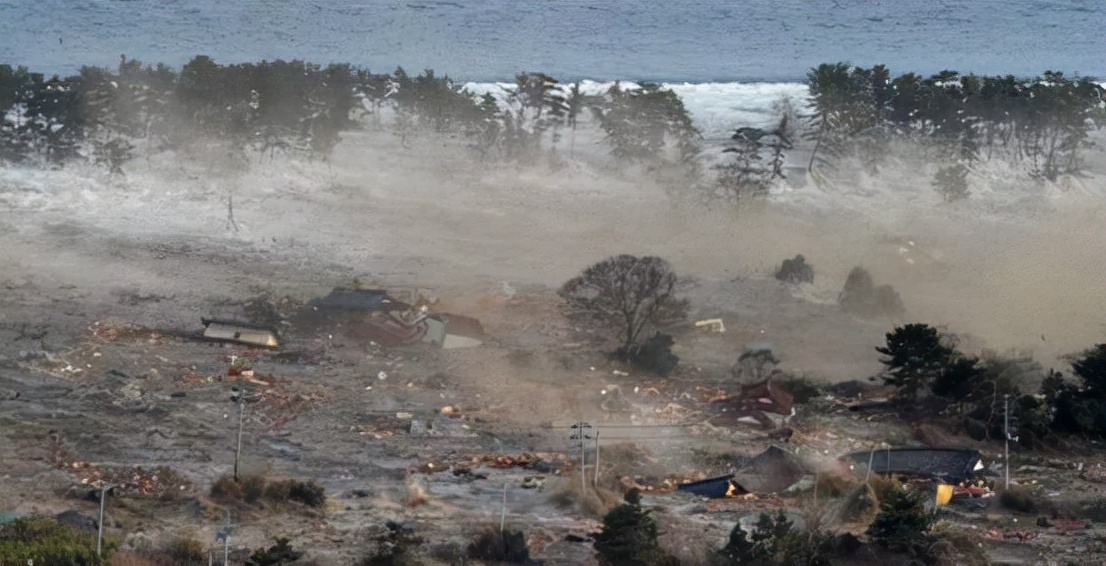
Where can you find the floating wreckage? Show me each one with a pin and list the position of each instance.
(225, 330)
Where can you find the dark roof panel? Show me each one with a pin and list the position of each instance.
(949, 464)
(342, 298)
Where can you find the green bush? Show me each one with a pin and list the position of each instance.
(629, 536)
(500, 546)
(951, 545)
(1024, 499)
(226, 488)
(862, 297)
(395, 547)
(795, 271)
(45, 541)
(902, 522)
(655, 354)
(276, 555)
(278, 491)
(774, 541)
(255, 488)
(186, 551)
(307, 492)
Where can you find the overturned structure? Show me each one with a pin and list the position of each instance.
(225, 330)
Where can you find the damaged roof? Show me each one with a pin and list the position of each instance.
(952, 465)
(771, 471)
(713, 488)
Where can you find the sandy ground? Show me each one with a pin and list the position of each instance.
(156, 249)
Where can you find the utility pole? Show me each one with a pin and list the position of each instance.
(503, 510)
(579, 433)
(228, 527)
(595, 477)
(239, 396)
(1006, 435)
(100, 527)
(241, 418)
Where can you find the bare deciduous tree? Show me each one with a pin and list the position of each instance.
(625, 293)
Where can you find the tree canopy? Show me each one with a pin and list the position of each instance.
(625, 294)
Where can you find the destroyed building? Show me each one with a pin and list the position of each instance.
(949, 465)
(763, 403)
(374, 315)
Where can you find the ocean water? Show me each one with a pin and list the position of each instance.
(728, 60)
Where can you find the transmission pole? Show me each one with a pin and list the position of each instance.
(100, 527)
(1006, 435)
(241, 418)
(579, 432)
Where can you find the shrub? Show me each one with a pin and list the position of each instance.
(795, 271)
(307, 492)
(902, 522)
(45, 541)
(629, 536)
(226, 489)
(252, 488)
(395, 547)
(506, 546)
(276, 555)
(185, 551)
(1024, 499)
(950, 545)
(655, 355)
(773, 540)
(862, 298)
(803, 389)
(279, 491)
(1094, 510)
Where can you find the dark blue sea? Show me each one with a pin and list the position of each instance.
(674, 41)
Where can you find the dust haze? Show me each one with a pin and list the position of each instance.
(200, 230)
(1016, 266)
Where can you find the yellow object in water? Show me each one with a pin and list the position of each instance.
(944, 493)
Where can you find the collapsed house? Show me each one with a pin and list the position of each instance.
(772, 471)
(373, 315)
(764, 403)
(713, 488)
